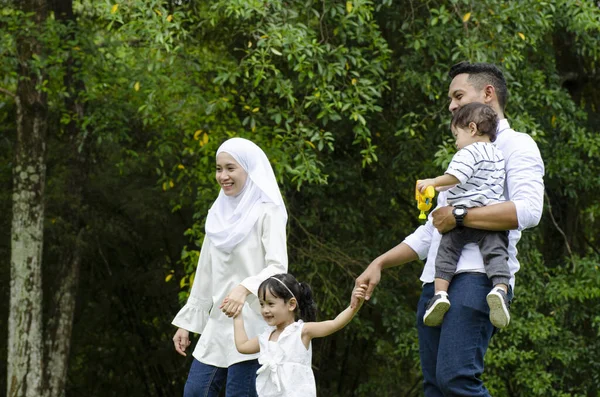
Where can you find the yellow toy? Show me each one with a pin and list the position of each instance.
(424, 200)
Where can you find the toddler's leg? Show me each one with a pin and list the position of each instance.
(445, 266)
(438, 305)
(441, 285)
(493, 246)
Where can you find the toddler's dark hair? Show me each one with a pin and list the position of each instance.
(305, 309)
(482, 115)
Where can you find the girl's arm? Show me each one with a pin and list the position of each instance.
(324, 328)
(242, 343)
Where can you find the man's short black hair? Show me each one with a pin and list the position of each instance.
(482, 115)
(482, 74)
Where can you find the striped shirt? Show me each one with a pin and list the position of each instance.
(480, 169)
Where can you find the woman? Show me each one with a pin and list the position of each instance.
(245, 244)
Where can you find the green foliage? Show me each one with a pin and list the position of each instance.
(349, 101)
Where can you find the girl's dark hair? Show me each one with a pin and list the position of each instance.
(482, 115)
(305, 309)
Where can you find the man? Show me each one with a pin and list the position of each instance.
(452, 355)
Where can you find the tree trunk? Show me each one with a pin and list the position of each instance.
(25, 347)
(62, 306)
(60, 324)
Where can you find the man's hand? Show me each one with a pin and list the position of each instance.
(181, 340)
(369, 278)
(443, 219)
(234, 301)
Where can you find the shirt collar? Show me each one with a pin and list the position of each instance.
(502, 125)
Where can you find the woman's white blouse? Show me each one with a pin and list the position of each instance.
(285, 364)
(260, 255)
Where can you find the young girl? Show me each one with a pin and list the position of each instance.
(245, 243)
(285, 347)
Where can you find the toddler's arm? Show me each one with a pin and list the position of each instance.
(439, 181)
(242, 343)
(324, 328)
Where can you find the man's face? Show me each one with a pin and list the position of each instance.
(462, 92)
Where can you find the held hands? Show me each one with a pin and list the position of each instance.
(181, 340)
(234, 301)
(359, 294)
(422, 184)
(369, 280)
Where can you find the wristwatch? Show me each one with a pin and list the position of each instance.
(459, 215)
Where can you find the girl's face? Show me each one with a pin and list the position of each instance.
(230, 175)
(276, 311)
(464, 136)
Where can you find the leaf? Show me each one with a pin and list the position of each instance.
(197, 134)
(349, 7)
(466, 17)
(521, 35)
(181, 167)
(169, 277)
(114, 8)
(274, 51)
(164, 186)
(136, 86)
(171, 184)
(354, 81)
(158, 12)
(249, 44)
(255, 110)
(205, 138)
(169, 18)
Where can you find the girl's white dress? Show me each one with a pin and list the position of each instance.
(286, 364)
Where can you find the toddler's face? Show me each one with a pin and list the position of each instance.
(275, 310)
(463, 136)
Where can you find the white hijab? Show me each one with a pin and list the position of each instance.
(230, 219)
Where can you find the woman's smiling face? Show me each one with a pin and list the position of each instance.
(230, 175)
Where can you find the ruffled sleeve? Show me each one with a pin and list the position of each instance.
(194, 315)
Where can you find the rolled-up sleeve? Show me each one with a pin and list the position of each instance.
(420, 240)
(525, 181)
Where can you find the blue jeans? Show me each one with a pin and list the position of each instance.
(207, 381)
(452, 354)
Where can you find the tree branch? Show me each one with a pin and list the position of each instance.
(556, 225)
(9, 93)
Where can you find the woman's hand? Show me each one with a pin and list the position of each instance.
(181, 340)
(234, 301)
